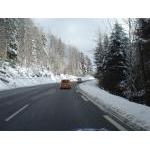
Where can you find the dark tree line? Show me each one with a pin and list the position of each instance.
(143, 46)
(123, 63)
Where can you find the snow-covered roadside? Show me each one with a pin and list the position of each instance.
(15, 77)
(134, 115)
(24, 82)
(32, 81)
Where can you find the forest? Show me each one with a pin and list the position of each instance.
(24, 43)
(122, 60)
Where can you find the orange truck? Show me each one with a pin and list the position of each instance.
(65, 84)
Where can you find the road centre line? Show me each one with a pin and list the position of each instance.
(17, 112)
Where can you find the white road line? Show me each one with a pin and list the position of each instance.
(17, 112)
(84, 98)
(116, 124)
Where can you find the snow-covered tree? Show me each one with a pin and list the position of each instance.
(143, 39)
(82, 63)
(89, 68)
(116, 70)
(98, 56)
(27, 45)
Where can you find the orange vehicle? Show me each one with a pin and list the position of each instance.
(65, 84)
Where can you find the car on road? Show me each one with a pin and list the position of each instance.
(65, 84)
(79, 80)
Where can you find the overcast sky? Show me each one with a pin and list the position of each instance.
(78, 32)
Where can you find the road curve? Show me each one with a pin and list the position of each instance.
(47, 108)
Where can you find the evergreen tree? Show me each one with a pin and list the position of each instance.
(98, 57)
(115, 75)
(88, 65)
(82, 63)
(105, 51)
(143, 33)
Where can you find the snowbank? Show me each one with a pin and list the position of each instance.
(87, 78)
(14, 77)
(134, 115)
(9, 80)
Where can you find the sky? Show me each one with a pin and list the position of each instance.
(81, 33)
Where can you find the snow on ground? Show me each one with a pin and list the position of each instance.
(66, 76)
(14, 77)
(20, 77)
(87, 78)
(135, 115)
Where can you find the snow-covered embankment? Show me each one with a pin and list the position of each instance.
(134, 115)
(15, 76)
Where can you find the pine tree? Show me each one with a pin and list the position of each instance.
(88, 65)
(105, 51)
(82, 63)
(98, 57)
(116, 62)
(143, 33)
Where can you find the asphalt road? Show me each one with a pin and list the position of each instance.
(48, 108)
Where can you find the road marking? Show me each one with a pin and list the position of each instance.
(84, 98)
(17, 112)
(116, 124)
